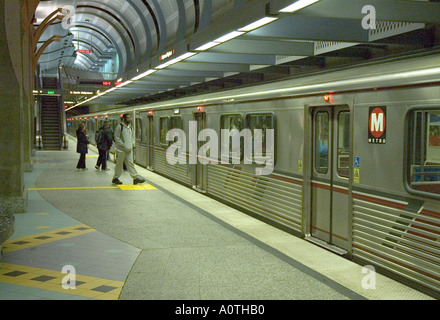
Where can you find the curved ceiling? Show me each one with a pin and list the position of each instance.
(165, 48)
(135, 29)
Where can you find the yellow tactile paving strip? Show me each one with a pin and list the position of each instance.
(45, 279)
(46, 237)
(136, 187)
(51, 280)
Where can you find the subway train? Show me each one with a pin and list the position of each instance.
(347, 158)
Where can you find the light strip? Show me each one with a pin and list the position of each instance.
(217, 41)
(207, 46)
(184, 56)
(110, 90)
(124, 84)
(297, 5)
(316, 87)
(229, 36)
(142, 75)
(175, 60)
(257, 24)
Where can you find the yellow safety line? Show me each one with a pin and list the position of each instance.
(121, 187)
(28, 277)
(71, 188)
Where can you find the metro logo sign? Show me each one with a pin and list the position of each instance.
(377, 125)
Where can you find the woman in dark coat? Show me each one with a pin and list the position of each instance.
(81, 146)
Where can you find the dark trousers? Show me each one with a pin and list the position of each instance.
(82, 161)
(102, 159)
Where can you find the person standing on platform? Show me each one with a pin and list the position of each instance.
(104, 141)
(124, 141)
(82, 145)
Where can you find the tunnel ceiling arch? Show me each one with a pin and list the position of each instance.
(135, 29)
(173, 47)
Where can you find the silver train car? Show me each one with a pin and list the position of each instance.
(356, 158)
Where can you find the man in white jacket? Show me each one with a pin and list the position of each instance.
(124, 142)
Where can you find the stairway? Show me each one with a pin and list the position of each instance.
(51, 123)
(50, 82)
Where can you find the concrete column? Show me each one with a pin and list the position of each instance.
(14, 102)
(27, 102)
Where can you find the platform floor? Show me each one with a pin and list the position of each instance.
(160, 241)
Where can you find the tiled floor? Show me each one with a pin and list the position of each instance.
(52, 256)
(160, 241)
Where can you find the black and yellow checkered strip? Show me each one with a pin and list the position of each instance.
(46, 237)
(45, 279)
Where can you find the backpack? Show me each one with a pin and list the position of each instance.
(98, 136)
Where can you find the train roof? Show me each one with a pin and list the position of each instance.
(389, 73)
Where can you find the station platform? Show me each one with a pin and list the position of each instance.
(161, 241)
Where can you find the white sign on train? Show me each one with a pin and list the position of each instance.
(258, 147)
(377, 125)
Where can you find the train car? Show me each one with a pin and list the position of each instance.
(353, 163)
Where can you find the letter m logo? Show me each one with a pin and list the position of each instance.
(377, 123)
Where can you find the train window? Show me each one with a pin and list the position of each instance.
(423, 151)
(144, 129)
(163, 130)
(89, 126)
(114, 124)
(343, 144)
(230, 122)
(138, 129)
(176, 122)
(260, 121)
(321, 142)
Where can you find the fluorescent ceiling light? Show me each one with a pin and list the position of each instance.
(186, 55)
(163, 65)
(217, 41)
(175, 60)
(110, 90)
(124, 84)
(207, 46)
(229, 36)
(143, 75)
(297, 5)
(257, 24)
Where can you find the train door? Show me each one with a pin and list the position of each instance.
(329, 207)
(199, 170)
(150, 142)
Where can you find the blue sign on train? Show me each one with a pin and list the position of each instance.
(356, 162)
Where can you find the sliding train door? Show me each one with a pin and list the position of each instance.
(150, 141)
(141, 145)
(199, 169)
(329, 207)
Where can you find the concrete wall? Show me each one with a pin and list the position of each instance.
(15, 106)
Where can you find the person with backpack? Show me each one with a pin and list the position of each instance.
(104, 141)
(124, 141)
